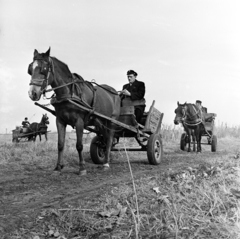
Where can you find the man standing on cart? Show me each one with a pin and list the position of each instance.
(133, 94)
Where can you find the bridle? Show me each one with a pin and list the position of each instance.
(188, 119)
(46, 70)
(191, 121)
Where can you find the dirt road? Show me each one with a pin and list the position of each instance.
(27, 188)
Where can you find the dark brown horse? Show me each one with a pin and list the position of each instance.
(39, 128)
(191, 118)
(46, 70)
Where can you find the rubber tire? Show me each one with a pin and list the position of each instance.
(214, 143)
(97, 153)
(155, 149)
(183, 141)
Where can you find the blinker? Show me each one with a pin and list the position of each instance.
(30, 69)
(44, 69)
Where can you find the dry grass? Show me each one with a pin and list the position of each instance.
(201, 201)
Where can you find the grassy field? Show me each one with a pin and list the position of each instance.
(189, 196)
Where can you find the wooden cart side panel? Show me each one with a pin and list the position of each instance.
(209, 124)
(15, 133)
(153, 121)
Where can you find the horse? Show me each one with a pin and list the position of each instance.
(39, 128)
(47, 70)
(191, 118)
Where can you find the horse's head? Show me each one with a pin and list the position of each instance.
(180, 112)
(45, 119)
(40, 70)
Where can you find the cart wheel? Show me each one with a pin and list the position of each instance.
(183, 141)
(15, 140)
(97, 150)
(155, 149)
(214, 143)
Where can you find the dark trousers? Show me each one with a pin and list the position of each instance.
(139, 110)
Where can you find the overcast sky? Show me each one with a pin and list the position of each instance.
(183, 50)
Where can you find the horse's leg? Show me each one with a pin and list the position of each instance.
(189, 143)
(194, 141)
(79, 146)
(108, 148)
(189, 139)
(46, 137)
(40, 136)
(61, 128)
(198, 140)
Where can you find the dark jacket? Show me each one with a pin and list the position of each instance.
(25, 123)
(137, 90)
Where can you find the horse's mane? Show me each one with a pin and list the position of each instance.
(64, 64)
(193, 106)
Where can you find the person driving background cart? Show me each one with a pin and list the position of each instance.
(199, 105)
(133, 94)
(202, 110)
(25, 123)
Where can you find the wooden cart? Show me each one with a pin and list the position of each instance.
(208, 131)
(19, 135)
(147, 133)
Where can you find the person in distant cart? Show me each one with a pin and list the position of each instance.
(199, 105)
(133, 94)
(202, 110)
(25, 123)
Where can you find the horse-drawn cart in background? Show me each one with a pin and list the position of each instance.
(29, 133)
(146, 133)
(20, 134)
(208, 131)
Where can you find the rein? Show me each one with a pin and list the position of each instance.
(94, 82)
(195, 124)
(44, 84)
(196, 113)
(187, 115)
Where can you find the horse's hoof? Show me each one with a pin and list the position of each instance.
(82, 172)
(59, 167)
(56, 173)
(106, 167)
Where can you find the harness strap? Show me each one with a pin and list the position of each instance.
(201, 122)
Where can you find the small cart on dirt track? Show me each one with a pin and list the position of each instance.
(209, 132)
(20, 135)
(146, 133)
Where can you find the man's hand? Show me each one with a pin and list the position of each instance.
(126, 92)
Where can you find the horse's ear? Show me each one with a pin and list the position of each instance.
(48, 52)
(178, 103)
(35, 53)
